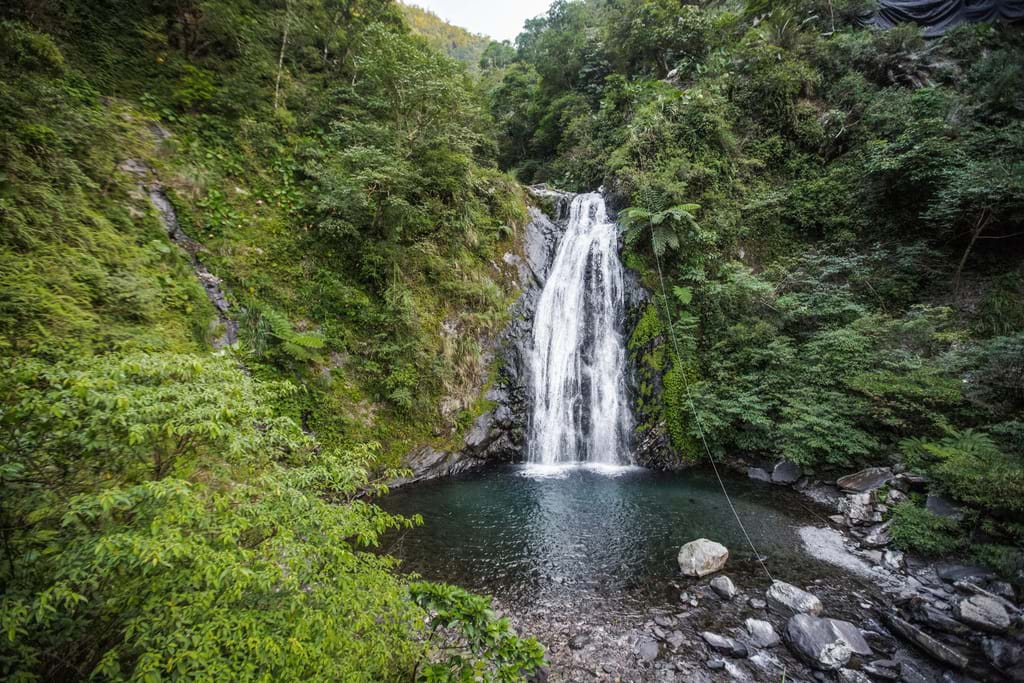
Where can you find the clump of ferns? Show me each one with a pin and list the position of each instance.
(270, 335)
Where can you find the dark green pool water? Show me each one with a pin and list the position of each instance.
(527, 535)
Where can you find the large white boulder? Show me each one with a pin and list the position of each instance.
(702, 557)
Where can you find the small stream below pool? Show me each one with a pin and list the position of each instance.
(533, 535)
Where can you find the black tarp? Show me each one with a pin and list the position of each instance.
(935, 17)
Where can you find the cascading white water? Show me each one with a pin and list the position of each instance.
(578, 364)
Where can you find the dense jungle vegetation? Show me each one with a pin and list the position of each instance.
(167, 513)
(839, 216)
(838, 212)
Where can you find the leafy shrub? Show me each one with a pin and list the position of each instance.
(159, 519)
(972, 468)
(915, 528)
(467, 641)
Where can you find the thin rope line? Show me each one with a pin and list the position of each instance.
(696, 417)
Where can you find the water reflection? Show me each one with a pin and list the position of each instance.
(569, 534)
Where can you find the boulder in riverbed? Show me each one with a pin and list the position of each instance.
(727, 646)
(933, 647)
(851, 676)
(758, 474)
(983, 613)
(786, 473)
(702, 557)
(724, 586)
(859, 509)
(817, 642)
(787, 599)
(647, 649)
(852, 636)
(878, 536)
(762, 633)
(865, 480)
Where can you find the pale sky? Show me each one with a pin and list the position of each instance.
(500, 20)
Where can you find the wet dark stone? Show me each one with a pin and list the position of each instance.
(865, 480)
(786, 473)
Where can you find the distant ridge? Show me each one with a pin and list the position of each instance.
(454, 41)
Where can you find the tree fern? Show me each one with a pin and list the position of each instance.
(268, 330)
(666, 226)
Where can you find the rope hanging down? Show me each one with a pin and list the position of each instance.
(696, 417)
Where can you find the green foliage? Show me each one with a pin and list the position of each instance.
(471, 643)
(468, 48)
(669, 228)
(163, 513)
(970, 467)
(160, 520)
(267, 331)
(915, 528)
(853, 278)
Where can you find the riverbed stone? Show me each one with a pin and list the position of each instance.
(730, 647)
(893, 560)
(757, 603)
(884, 669)
(665, 620)
(1006, 656)
(817, 642)
(580, 641)
(865, 480)
(758, 474)
(787, 599)
(786, 473)
(878, 536)
(983, 613)
(762, 633)
(952, 573)
(724, 587)
(933, 647)
(859, 509)
(702, 557)
(852, 636)
(647, 649)
(851, 676)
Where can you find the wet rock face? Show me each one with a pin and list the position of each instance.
(212, 285)
(499, 435)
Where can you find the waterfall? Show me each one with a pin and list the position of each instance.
(580, 412)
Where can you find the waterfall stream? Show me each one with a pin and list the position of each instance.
(580, 411)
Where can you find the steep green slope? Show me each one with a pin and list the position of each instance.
(839, 215)
(171, 513)
(456, 42)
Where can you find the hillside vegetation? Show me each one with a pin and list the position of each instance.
(839, 217)
(837, 213)
(166, 513)
(454, 41)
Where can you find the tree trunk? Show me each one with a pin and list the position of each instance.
(979, 227)
(280, 56)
